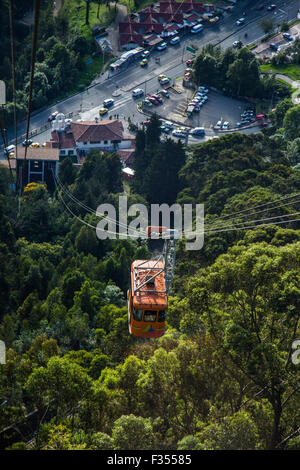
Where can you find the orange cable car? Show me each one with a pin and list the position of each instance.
(147, 299)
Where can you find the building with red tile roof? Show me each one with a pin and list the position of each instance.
(159, 19)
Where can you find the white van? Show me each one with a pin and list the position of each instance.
(197, 29)
(175, 40)
(10, 149)
(137, 92)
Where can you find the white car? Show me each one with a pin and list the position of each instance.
(178, 133)
(168, 124)
(164, 81)
(161, 46)
(235, 43)
(240, 21)
(218, 125)
(226, 125)
(137, 92)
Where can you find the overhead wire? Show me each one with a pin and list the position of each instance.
(92, 211)
(13, 70)
(135, 232)
(33, 55)
(235, 214)
(233, 228)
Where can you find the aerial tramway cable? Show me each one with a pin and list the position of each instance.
(13, 70)
(92, 211)
(33, 55)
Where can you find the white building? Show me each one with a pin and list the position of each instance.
(75, 139)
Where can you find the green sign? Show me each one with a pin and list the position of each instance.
(190, 49)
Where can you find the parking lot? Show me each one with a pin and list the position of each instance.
(217, 107)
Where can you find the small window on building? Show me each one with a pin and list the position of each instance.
(84, 143)
(70, 152)
(105, 142)
(62, 152)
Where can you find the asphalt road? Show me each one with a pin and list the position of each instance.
(172, 63)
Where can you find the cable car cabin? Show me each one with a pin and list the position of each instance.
(147, 299)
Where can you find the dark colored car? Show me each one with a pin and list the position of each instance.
(273, 46)
(26, 143)
(259, 7)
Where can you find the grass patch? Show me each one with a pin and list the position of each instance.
(75, 11)
(290, 70)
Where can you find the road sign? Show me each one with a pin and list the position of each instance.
(190, 49)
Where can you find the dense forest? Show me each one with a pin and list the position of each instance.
(60, 56)
(221, 377)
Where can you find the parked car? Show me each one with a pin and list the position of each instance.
(145, 54)
(108, 103)
(164, 93)
(178, 133)
(260, 7)
(158, 98)
(199, 131)
(162, 46)
(271, 7)
(273, 46)
(137, 92)
(189, 62)
(153, 100)
(218, 125)
(34, 145)
(197, 28)
(238, 124)
(288, 36)
(175, 40)
(168, 124)
(226, 125)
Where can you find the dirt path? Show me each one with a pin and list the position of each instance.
(57, 5)
(294, 84)
(113, 29)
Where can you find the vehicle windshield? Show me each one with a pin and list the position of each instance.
(150, 315)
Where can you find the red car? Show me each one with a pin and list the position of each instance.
(259, 7)
(153, 100)
(189, 62)
(157, 98)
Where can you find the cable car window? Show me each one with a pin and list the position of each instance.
(161, 315)
(137, 314)
(149, 315)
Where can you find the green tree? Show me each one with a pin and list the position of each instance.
(132, 433)
(291, 122)
(267, 25)
(249, 299)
